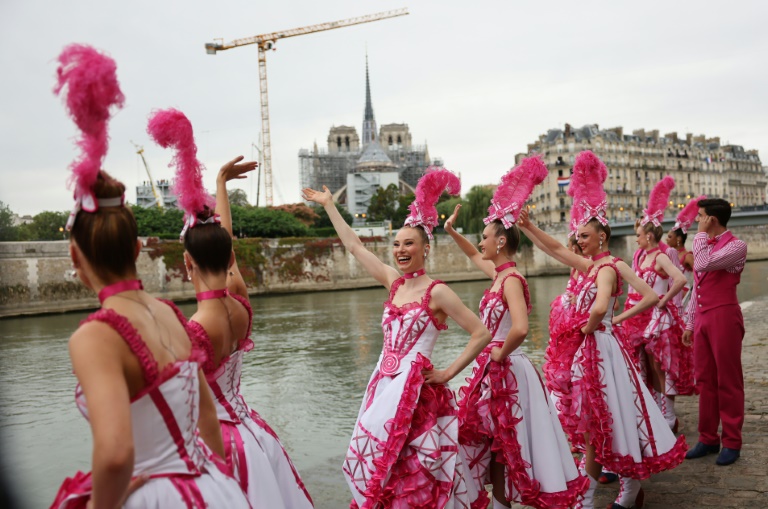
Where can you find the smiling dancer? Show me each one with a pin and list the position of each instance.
(613, 416)
(404, 450)
(659, 346)
(139, 382)
(508, 426)
(221, 327)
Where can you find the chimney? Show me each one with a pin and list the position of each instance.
(689, 139)
(655, 135)
(567, 130)
(618, 130)
(671, 136)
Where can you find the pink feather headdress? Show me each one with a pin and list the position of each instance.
(657, 202)
(92, 91)
(688, 214)
(171, 128)
(514, 190)
(428, 191)
(586, 187)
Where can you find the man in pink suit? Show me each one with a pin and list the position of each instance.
(714, 319)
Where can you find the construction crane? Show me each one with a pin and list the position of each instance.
(267, 42)
(158, 199)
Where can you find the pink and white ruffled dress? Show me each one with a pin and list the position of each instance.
(252, 449)
(557, 357)
(505, 410)
(164, 417)
(610, 401)
(404, 450)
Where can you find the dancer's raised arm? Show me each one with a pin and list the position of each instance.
(447, 302)
(379, 270)
(230, 171)
(466, 246)
(551, 246)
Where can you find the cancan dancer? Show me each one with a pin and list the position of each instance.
(658, 347)
(140, 385)
(613, 416)
(508, 426)
(404, 450)
(221, 326)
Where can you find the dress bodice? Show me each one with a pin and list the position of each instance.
(409, 330)
(164, 414)
(648, 274)
(494, 310)
(224, 379)
(587, 294)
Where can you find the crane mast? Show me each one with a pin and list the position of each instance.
(158, 198)
(267, 42)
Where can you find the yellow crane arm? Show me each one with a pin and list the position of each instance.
(212, 48)
(158, 199)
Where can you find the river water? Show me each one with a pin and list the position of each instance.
(314, 355)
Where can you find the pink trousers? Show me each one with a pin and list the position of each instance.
(718, 335)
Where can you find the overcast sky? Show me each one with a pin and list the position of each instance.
(476, 80)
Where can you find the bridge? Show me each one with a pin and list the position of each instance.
(738, 218)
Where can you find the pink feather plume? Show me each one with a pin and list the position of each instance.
(659, 197)
(586, 187)
(171, 128)
(517, 185)
(428, 191)
(92, 91)
(686, 216)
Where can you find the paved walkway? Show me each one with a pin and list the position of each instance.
(701, 483)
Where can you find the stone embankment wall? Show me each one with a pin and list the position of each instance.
(33, 275)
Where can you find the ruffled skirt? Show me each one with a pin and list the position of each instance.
(610, 402)
(404, 451)
(505, 410)
(261, 465)
(663, 337)
(213, 489)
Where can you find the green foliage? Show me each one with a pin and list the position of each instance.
(46, 226)
(156, 222)
(475, 208)
(8, 231)
(323, 221)
(384, 204)
(268, 223)
(402, 209)
(238, 197)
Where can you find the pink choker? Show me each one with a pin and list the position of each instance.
(504, 266)
(212, 294)
(601, 255)
(412, 275)
(119, 287)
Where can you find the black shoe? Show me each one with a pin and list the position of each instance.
(727, 456)
(700, 450)
(607, 477)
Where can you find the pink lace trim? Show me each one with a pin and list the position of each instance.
(667, 348)
(597, 420)
(408, 484)
(128, 332)
(424, 303)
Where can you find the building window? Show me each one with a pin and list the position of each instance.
(346, 142)
(338, 142)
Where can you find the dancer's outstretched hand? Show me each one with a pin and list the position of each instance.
(234, 169)
(448, 226)
(435, 376)
(524, 221)
(323, 198)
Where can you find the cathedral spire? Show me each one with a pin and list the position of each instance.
(369, 122)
